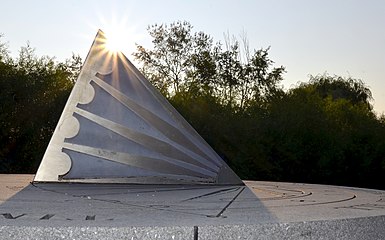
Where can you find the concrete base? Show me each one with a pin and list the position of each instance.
(262, 210)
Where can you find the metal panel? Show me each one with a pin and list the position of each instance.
(116, 127)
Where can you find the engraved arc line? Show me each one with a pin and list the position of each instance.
(112, 201)
(150, 142)
(214, 193)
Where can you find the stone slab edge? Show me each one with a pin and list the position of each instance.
(354, 228)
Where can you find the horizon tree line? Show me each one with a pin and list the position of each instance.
(321, 131)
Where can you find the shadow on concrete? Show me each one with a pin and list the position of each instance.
(52, 204)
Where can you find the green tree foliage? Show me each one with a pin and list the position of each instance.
(185, 61)
(353, 90)
(33, 91)
(168, 62)
(322, 131)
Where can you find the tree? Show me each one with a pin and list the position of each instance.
(166, 65)
(324, 132)
(3, 50)
(201, 76)
(182, 60)
(33, 91)
(353, 90)
(321, 131)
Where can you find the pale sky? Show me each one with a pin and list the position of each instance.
(342, 37)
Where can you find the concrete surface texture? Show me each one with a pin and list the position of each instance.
(259, 210)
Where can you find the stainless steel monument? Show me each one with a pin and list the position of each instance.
(117, 128)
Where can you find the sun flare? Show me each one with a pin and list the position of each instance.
(116, 40)
(120, 35)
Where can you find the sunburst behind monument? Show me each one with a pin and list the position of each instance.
(117, 128)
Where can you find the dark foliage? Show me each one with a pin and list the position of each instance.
(322, 131)
(33, 92)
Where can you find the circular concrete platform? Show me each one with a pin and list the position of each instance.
(259, 210)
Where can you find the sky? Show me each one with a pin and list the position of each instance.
(308, 37)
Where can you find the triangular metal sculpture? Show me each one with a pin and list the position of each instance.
(117, 128)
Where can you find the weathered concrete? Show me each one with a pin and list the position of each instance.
(103, 211)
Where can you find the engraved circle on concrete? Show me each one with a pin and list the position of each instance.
(270, 210)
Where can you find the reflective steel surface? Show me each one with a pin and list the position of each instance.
(117, 128)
